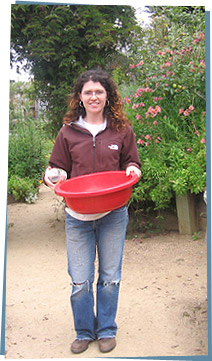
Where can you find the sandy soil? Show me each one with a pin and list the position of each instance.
(163, 299)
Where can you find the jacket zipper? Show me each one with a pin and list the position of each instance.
(94, 143)
(94, 153)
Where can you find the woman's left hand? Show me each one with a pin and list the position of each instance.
(132, 169)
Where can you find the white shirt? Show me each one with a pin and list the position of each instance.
(94, 129)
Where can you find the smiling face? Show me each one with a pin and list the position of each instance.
(93, 96)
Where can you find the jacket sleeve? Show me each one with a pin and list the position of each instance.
(129, 153)
(60, 156)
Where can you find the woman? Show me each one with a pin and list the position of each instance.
(95, 137)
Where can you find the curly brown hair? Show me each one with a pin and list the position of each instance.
(113, 110)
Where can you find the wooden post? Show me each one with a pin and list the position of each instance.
(186, 213)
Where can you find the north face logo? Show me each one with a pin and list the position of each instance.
(113, 146)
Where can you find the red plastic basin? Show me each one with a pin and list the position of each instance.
(97, 192)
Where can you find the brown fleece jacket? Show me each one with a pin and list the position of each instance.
(78, 152)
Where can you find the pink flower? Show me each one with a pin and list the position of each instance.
(132, 66)
(181, 111)
(169, 73)
(140, 141)
(134, 106)
(191, 107)
(159, 52)
(196, 131)
(189, 150)
(150, 109)
(196, 40)
(141, 104)
(140, 63)
(147, 137)
(146, 144)
(158, 109)
(155, 122)
(127, 100)
(153, 111)
(140, 91)
(138, 116)
(186, 113)
(159, 138)
(202, 141)
(167, 64)
(156, 99)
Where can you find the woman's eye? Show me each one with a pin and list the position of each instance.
(90, 93)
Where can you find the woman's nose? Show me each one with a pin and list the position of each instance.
(93, 95)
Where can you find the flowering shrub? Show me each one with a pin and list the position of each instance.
(166, 106)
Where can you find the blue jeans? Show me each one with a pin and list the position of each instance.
(107, 235)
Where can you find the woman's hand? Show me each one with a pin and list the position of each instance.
(132, 169)
(54, 176)
(48, 183)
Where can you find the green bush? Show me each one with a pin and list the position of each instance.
(29, 149)
(23, 189)
(166, 105)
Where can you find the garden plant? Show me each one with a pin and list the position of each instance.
(166, 104)
(29, 145)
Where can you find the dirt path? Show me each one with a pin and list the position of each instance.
(163, 299)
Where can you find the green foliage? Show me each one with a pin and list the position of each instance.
(166, 105)
(22, 101)
(60, 41)
(196, 236)
(29, 149)
(29, 144)
(22, 189)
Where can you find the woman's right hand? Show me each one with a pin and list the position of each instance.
(54, 173)
(48, 183)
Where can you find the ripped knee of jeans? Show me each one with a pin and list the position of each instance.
(81, 286)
